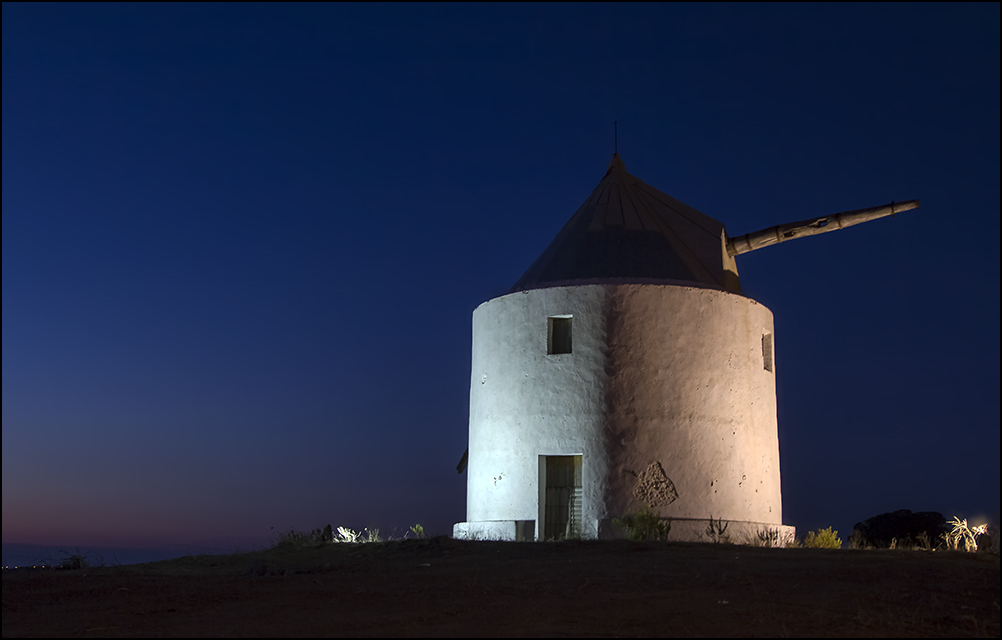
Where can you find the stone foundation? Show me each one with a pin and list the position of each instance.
(682, 530)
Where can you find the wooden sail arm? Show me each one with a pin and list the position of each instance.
(824, 224)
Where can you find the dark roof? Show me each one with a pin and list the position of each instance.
(629, 231)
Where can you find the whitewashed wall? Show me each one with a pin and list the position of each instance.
(663, 383)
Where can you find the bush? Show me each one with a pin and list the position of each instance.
(823, 539)
(765, 538)
(301, 538)
(645, 524)
(73, 561)
(858, 540)
(717, 531)
(326, 535)
(962, 533)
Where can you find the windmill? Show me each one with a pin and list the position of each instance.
(625, 369)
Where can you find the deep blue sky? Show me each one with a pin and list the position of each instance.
(242, 243)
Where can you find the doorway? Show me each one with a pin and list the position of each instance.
(562, 497)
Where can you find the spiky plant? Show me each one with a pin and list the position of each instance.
(962, 532)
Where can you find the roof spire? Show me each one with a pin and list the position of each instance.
(616, 163)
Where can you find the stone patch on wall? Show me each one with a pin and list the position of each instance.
(654, 487)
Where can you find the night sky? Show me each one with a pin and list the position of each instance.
(242, 244)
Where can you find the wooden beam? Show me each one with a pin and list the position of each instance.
(824, 224)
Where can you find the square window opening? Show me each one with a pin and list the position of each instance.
(558, 335)
(767, 352)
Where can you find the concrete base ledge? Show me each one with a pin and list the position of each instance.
(682, 530)
(512, 530)
(707, 530)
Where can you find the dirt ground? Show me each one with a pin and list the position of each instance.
(444, 587)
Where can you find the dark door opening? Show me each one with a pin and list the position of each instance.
(562, 507)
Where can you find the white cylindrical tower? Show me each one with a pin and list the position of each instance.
(625, 369)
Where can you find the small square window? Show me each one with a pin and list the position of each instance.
(558, 335)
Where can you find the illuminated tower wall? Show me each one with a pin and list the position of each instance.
(601, 387)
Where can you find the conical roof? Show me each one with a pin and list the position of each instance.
(628, 231)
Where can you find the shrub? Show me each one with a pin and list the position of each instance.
(344, 534)
(300, 538)
(326, 535)
(823, 539)
(961, 532)
(645, 524)
(73, 561)
(717, 531)
(858, 540)
(765, 538)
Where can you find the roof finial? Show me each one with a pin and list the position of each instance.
(615, 137)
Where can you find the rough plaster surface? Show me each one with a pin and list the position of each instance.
(665, 387)
(654, 488)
